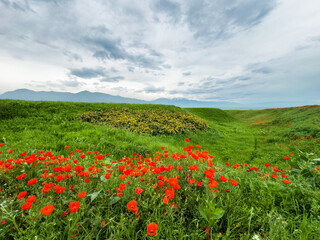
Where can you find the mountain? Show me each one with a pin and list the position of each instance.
(86, 96)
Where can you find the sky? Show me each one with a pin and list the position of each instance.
(241, 51)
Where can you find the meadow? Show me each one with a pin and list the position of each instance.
(134, 171)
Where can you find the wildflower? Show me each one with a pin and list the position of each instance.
(74, 206)
(286, 158)
(31, 199)
(273, 176)
(223, 178)
(32, 181)
(286, 181)
(107, 176)
(3, 222)
(22, 195)
(233, 182)
(199, 184)
(122, 186)
(47, 210)
(82, 194)
(151, 229)
(213, 184)
(139, 190)
(187, 139)
(267, 164)
(132, 205)
(26, 206)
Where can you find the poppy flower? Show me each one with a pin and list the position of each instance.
(32, 181)
(74, 206)
(213, 184)
(122, 186)
(286, 158)
(187, 139)
(31, 199)
(151, 229)
(26, 206)
(233, 182)
(22, 195)
(223, 178)
(286, 181)
(132, 205)
(82, 194)
(139, 190)
(47, 210)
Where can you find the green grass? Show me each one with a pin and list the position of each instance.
(260, 207)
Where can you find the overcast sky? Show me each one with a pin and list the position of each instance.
(244, 51)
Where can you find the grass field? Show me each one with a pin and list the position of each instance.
(249, 174)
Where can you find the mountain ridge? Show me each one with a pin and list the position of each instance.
(87, 96)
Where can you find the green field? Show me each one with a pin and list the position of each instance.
(235, 144)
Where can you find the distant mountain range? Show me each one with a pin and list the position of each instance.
(86, 96)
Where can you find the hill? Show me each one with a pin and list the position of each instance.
(97, 97)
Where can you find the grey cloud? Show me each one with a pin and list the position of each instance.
(170, 8)
(186, 73)
(88, 72)
(262, 70)
(112, 79)
(17, 5)
(130, 69)
(107, 48)
(220, 19)
(72, 83)
(152, 89)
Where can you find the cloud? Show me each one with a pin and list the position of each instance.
(112, 79)
(221, 19)
(88, 72)
(153, 89)
(186, 73)
(170, 8)
(244, 50)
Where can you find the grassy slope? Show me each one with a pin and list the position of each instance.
(232, 138)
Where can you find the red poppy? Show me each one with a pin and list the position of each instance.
(286, 181)
(139, 190)
(107, 176)
(233, 182)
(286, 158)
(132, 205)
(22, 195)
(31, 199)
(187, 139)
(273, 176)
(47, 210)
(213, 184)
(74, 206)
(122, 186)
(151, 229)
(82, 194)
(32, 181)
(26, 206)
(223, 178)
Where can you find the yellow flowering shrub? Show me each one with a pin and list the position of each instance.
(151, 122)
